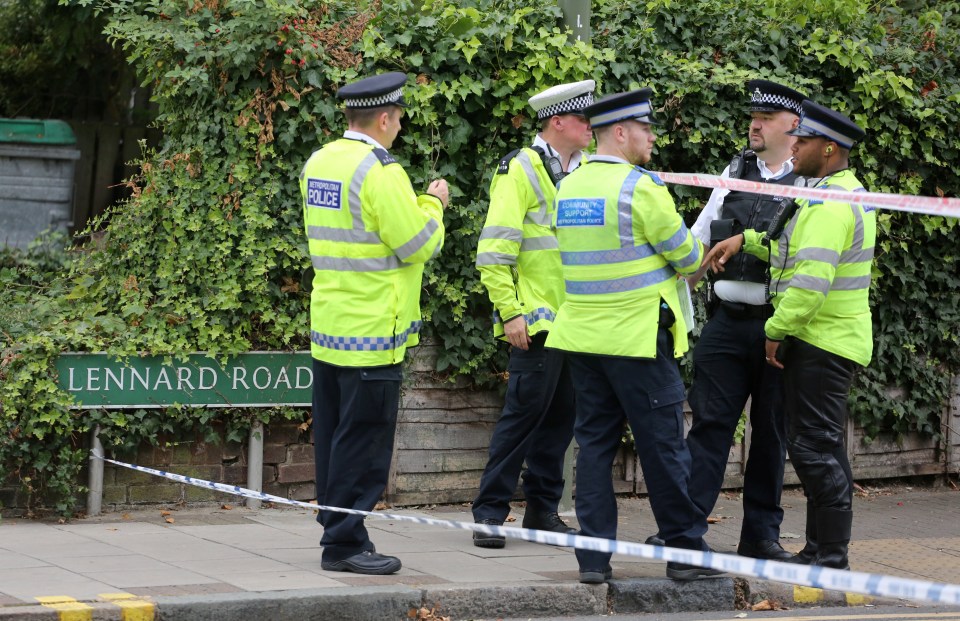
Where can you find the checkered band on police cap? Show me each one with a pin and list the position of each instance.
(563, 99)
(770, 96)
(374, 91)
(374, 102)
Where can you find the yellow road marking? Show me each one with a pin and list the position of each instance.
(856, 599)
(807, 595)
(133, 608)
(68, 608)
(897, 616)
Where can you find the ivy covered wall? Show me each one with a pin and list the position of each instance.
(208, 253)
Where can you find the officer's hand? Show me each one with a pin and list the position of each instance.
(516, 332)
(439, 189)
(723, 252)
(772, 347)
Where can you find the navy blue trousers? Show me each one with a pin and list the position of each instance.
(729, 366)
(536, 426)
(647, 393)
(354, 421)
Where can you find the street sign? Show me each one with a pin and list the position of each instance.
(255, 379)
(576, 15)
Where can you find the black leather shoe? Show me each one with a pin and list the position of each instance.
(682, 571)
(550, 522)
(595, 576)
(765, 549)
(483, 540)
(655, 540)
(367, 562)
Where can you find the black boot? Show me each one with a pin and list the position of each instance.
(833, 531)
(809, 551)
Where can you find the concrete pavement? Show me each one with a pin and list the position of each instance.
(235, 563)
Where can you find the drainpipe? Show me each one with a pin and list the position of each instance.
(95, 482)
(255, 464)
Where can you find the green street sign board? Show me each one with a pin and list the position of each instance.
(576, 15)
(255, 379)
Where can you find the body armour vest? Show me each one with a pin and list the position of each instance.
(744, 210)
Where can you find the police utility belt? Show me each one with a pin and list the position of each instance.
(738, 310)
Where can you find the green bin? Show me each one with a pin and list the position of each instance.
(37, 169)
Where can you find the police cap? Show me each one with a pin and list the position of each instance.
(633, 105)
(569, 98)
(767, 96)
(818, 120)
(379, 90)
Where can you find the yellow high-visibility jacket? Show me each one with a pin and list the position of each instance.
(622, 243)
(820, 273)
(369, 236)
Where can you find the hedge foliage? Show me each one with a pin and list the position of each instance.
(207, 255)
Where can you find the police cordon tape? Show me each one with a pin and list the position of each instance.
(930, 205)
(876, 585)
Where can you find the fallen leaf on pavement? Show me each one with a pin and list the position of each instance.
(169, 520)
(226, 507)
(125, 516)
(510, 518)
(714, 520)
(164, 513)
(380, 506)
(768, 605)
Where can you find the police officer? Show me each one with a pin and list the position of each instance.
(622, 244)
(519, 264)
(728, 359)
(821, 331)
(369, 236)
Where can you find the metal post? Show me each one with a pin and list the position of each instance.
(255, 464)
(576, 15)
(95, 481)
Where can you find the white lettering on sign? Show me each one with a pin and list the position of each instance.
(116, 380)
(261, 385)
(183, 377)
(301, 371)
(240, 377)
(163, 378)
(282, 377)
(213, 378)
(93, 375)
(144, 381)
(70, 385)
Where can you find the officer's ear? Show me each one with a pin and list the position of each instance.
(796, 122)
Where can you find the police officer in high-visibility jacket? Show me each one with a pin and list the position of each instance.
(821, 331)
(622, 244)
(519, 264)
(369, 236)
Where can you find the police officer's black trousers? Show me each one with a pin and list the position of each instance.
(816, 387)
(354, 421)
(648, 393)
(729, 366)
(536, 426)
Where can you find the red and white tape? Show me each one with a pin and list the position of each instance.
(930, 205)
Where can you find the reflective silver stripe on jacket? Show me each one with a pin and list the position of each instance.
(495, 258)
(618, 285)
(547, 242)
(625, 208)
(541, 216)
(417, 242)
(501, 232)
(351, 264)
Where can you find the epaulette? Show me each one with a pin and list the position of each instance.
(653, 175)
(504, 166)
(384, 156)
